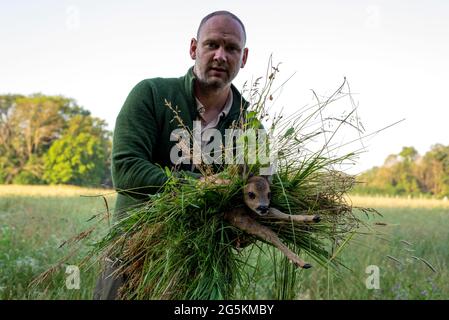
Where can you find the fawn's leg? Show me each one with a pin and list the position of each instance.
(240, 219)
(279, 215)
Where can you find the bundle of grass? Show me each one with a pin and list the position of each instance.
(175, 246)
(180, 244)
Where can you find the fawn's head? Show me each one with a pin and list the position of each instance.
(257, 194)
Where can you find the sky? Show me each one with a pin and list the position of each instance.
(394, 54)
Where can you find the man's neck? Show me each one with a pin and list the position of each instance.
(213, 100)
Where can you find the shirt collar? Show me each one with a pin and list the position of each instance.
(223, 113)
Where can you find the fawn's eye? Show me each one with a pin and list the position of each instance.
(251, 195)
(269, 195)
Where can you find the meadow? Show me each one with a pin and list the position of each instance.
(408, 246)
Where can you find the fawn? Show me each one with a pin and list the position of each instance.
(257, 199)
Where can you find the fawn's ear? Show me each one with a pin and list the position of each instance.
(268, 172)
(243, 171)
(268, 178)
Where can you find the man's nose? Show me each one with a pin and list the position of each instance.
(220, 55)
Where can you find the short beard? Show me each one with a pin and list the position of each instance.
(212, 85)
(206, 85)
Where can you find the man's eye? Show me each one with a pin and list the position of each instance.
(211, 45)
(251, 195)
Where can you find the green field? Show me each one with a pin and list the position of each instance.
(412, 253)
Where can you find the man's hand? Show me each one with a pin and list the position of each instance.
(243, 241)
(215, 179)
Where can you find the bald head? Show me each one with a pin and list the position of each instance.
(222, 13)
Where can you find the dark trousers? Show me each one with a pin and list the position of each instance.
(108, 283)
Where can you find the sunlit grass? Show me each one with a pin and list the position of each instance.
(397, 202)
(49, 191)
(411, 254)
(32, 228)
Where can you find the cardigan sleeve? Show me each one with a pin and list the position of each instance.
(134, 141)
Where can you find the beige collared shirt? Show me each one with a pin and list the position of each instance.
(206, 134)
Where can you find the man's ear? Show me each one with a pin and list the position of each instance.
(244, 58)
(193, 47)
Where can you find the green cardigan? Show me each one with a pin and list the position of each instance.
(141, 141)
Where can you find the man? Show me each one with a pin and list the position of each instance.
(142, 145)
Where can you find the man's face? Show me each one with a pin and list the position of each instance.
(219, 52)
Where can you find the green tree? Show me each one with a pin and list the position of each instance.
(403, 172)
(7, 152)
(28, 127)
(433, 170)
(409, 154)
(396, 176)
(81, 155)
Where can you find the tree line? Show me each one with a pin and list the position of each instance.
(408, 173)
(52, 140)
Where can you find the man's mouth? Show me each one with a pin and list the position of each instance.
(217, 69)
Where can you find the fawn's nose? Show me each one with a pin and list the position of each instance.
(262, 209)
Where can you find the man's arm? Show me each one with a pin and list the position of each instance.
(134, 141)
